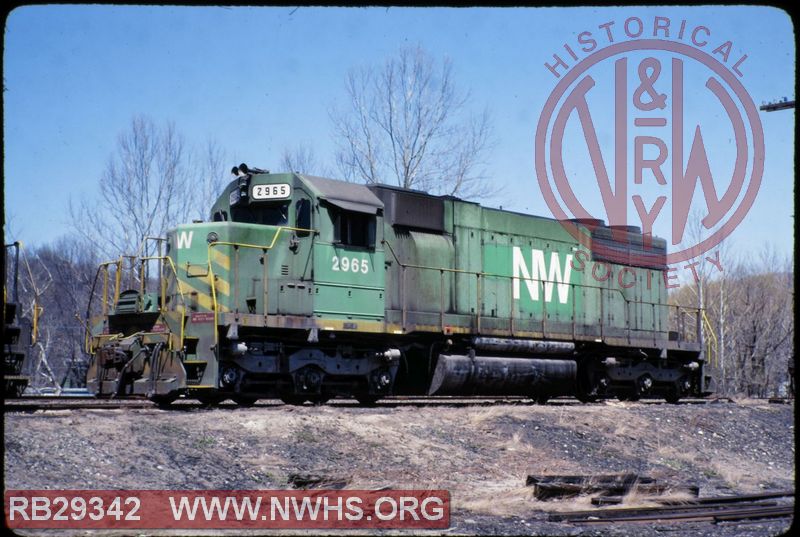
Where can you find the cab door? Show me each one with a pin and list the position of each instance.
(296, 270)
(349, 265)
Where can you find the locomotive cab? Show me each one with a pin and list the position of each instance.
(290, 266)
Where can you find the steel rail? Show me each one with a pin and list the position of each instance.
(708, 509)
(39, 402)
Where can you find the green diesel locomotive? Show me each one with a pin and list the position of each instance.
(304, 288)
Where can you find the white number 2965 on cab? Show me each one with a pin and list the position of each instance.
(348, 264)
(271, 192)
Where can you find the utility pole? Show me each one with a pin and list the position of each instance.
(783, 104)
(724, 384)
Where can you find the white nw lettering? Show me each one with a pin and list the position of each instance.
(538, 272)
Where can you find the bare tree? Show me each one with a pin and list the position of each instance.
(707, 270)
(749, 307)
(302, 159)
(152, 182)
(761, 323)
(72, 264)
(142, 191)
(407, 124)
(53, 287)
(213, 171)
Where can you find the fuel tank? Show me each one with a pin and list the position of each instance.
(457, 374)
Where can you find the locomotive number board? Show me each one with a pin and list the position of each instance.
(271, 192)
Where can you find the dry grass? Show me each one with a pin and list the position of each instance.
(629, 426)
(671, 453)
(480, 417)
(575, 503)
(516, 444)
(502, 498)
(636, 498)
(730, 473)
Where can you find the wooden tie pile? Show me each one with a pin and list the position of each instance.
(612, 489)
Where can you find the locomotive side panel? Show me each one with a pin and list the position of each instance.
(514, 275)
(530, 279)
(468, 260)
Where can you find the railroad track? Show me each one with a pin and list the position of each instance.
(714, 509)
(34, 403)
(31, 404)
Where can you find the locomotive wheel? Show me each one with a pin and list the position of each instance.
(291, 399)
(628, 395)
(367, 400)
(586, 398)
(244, 400)
(15, 389)
(541, 399)
(210, 400)
(672, 396)
(317, 400)
(163, 401)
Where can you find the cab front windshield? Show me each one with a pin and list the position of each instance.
(265, 214)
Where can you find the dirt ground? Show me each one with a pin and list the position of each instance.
(481, 454)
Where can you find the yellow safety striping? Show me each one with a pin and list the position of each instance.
(220, 259)
(203, 299)
(339, 325)
(223, 287)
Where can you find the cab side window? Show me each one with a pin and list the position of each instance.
(265, 214)
(302, 211)
(354, 229)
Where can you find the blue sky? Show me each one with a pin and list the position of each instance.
(259, 80)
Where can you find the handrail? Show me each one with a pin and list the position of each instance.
(712, 357)
(262, 247)
(162, 306)
(103, 267)
(493, 275)
(85, 333)
(143, 244)
(180, 292)
(121, 335)
(553, 282)
(118, 274)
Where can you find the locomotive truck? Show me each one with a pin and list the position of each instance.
(305, 288)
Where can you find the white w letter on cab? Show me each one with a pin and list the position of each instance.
(185, 239)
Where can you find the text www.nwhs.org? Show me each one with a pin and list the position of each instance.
(227, 509)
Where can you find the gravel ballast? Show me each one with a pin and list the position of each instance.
(481, 454)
